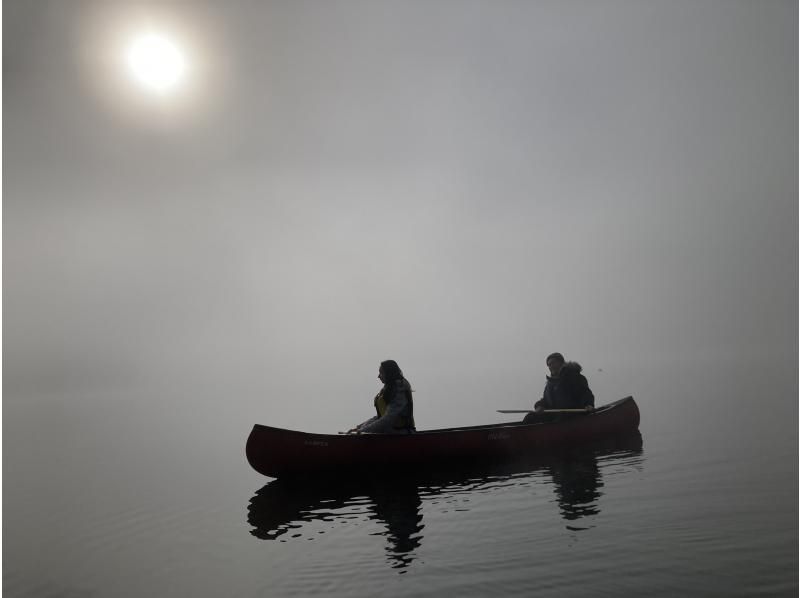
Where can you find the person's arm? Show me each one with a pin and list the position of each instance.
(583, 393)
(357, 429)
(546, 402)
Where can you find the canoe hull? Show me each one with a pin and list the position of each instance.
(275, 452)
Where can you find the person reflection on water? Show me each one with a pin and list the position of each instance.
(394, 405)
(285, 510)
(566, 388)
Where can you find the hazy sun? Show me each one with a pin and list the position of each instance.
(156, 62)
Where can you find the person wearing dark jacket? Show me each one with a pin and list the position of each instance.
(393, 404)
(566, 387)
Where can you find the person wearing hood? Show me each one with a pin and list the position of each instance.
(566, 387)
(393, 404)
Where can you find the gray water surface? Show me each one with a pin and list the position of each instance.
(139, 495)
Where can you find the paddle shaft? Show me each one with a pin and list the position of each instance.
(543, 411)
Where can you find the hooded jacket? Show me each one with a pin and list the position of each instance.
(568, 390)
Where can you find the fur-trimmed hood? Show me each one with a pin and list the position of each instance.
(568, 369)
(573, 366)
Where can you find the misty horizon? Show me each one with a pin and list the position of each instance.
(464, 188)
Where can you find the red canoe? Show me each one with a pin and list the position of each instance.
(277, 453)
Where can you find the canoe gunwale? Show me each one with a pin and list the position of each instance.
(518, 424)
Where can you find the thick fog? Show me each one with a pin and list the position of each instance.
(463, 187)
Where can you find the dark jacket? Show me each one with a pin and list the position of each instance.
(568, 390)
(395, 408)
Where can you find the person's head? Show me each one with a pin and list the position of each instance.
(389, 371)
(555, 361)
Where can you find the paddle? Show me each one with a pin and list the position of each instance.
(543, 411)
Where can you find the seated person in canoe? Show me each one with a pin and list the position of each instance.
(566, 388)
(393, 404)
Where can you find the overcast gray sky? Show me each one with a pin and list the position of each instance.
(461, 186)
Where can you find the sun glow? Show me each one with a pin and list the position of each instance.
(153, 66)
(156, 62)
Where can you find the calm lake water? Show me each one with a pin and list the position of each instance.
(138, 495)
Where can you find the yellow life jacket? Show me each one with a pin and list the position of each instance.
(402, 422)
(380, 404)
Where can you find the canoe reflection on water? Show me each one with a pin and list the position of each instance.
(281, 508)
